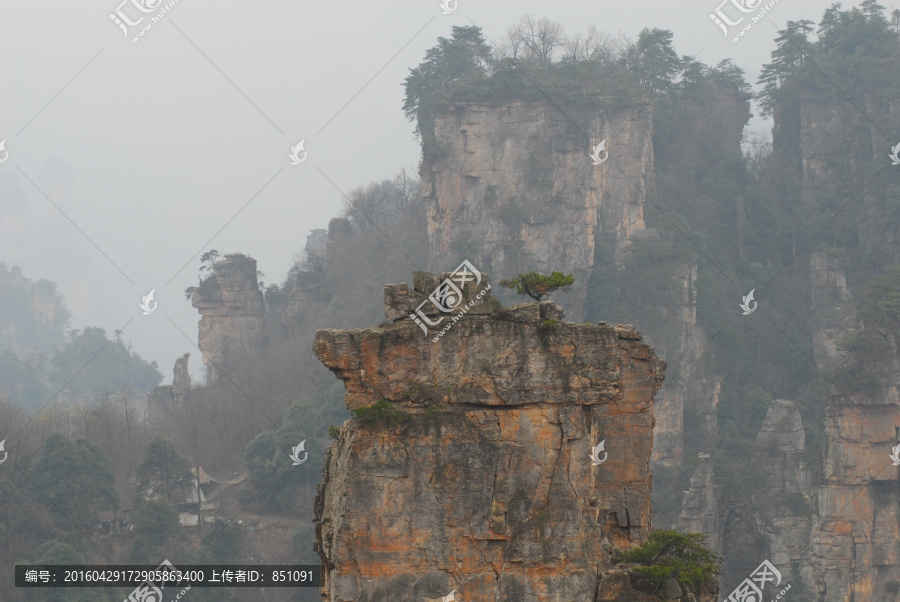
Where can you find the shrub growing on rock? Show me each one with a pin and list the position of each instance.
(537, 285)
(682, 556)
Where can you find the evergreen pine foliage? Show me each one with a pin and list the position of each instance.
(682, 556)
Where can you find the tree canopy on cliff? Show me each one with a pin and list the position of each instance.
(682, 556)
(855, 53)
(538, 286)
(464, 56)
(653, 59)
(536, 59)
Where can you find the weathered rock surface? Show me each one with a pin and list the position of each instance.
(857, 524)
(690, 386)
(488, 487)
(232, 310)
(515, 186)
(400, 302)
(670, 589)
(782, 490)
(833, 315)
(181, 379)
(520, 172)
(780, 441)
(161, 400)
(700, 508)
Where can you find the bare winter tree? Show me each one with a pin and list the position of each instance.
(311, 261)
(541, 38)
(381, 202)
(113, 422)
(594, 45)
(757, 149)
(532, 40)
(510, 45)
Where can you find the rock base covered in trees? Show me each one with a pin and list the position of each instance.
(476, 472)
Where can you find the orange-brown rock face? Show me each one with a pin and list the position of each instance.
(488, 486)
(855, 552)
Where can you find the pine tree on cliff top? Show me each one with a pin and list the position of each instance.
(537, 285)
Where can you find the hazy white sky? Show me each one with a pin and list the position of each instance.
(149, 150)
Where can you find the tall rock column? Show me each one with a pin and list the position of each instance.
(514, 187)
(479, 476)
(232, 310)
(163, 399)
(181, 381)
(783, 489)
(700, 508)
(833, 314)
(857, 524)
(714, 120)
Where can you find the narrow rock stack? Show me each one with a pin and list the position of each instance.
(479, 477)
(233, 312)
